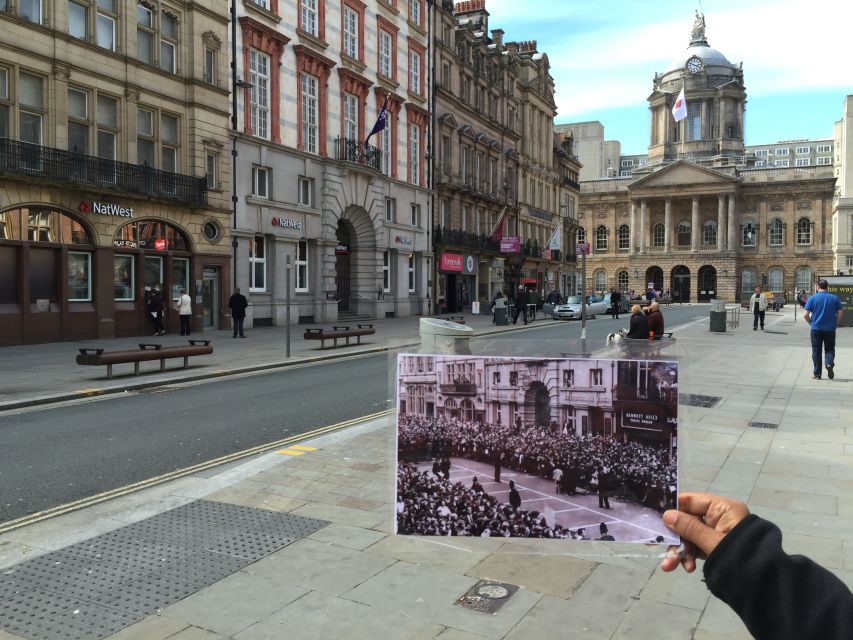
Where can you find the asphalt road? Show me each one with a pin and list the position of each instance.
(55, 455)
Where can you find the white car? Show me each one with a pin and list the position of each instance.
(571, 308)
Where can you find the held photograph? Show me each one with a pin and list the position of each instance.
(564, 448)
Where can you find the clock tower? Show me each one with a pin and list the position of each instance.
(712, 132)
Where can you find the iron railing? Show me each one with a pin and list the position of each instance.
(458, 238)
(70, 167)
(355, 151)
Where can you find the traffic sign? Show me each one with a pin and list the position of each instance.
(582, 248)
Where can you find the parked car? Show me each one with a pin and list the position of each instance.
(624, 304)
(571, 308)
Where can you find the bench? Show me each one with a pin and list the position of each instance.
(337, 333)
(647, 346)
(147, 351)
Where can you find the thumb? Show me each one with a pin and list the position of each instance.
(692, 529)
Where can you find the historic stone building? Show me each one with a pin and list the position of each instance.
(351, 215)
(496, 156)
(697, 218)
(113, 166)
(843, 205)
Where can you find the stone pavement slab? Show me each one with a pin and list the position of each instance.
(656, 621)
(554, 575)
(557, 618)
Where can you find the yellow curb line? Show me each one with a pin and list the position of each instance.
(180, 473)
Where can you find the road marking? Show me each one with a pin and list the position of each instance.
(302, 447)
(180, 473)
(91, 392)
(291, 452)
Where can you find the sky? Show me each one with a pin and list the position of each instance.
(796, 58)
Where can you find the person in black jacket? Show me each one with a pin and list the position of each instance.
(238, 303)
(639, 327)
(778, 596)
(514, 496)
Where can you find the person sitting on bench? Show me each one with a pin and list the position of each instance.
(639, 328)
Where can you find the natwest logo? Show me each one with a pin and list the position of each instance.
(405, 240)
(105, 209)
(287, 223)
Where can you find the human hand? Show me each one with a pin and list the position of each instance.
(702, 521)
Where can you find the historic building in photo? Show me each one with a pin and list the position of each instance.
(498, 170)
(113, 166)
(352, 218)
(699, 216)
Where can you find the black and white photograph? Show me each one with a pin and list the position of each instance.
(565, 448)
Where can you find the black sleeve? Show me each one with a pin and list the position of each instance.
(776, 595)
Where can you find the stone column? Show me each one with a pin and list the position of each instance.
(667, 225)
(721, 222)
(644, 222)
(694, 225)
(732, 226)
(633, 229)
(704, 132)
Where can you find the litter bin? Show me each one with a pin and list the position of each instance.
(475, 308)
(443, 336)
(718, 316)
(501, 312)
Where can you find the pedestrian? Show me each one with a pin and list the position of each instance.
(557, 476)
(514, 496)
(758, 304)
(801, 298)
(476, 487)
(155, 308)
(498, 459)
(603, 489)
(654, 318)
(823, 313)
(639, 327)
(554, 297)
(520, 305)
(776, 595)
(650, 294)
(238, 303)
(602, 529)
(615, 299)
(184, 307)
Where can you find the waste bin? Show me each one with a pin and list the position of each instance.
(501, 318)
(718, 316)
(443, 336)
(475, 308)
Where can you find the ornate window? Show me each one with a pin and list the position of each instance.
(684, 234)
(600, 280)
(776, 235)
(623, 237)
(747, 281)
(581, 235)
(804, 231)
(658, 235)
(622, 280)
(749, 236)
(601, 238)
(709, 233)
(804, 279)
(151, 234)
(775, 279)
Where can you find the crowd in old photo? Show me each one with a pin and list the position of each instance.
(643, 473)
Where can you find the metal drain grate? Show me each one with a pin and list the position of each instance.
(92, 589)
(487, 596)
(694, 400)
(764, 425)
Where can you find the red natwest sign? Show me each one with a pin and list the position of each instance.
(450, 262)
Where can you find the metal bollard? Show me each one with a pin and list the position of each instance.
(445, 337)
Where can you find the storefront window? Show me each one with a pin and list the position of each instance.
(302, 266)
(153, 272)
(123, 278)
(8, 275)
(151, 234)
(180, 276)
(42, 225)
(79, 277)
(42, 275)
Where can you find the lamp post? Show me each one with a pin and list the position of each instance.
(287, 270)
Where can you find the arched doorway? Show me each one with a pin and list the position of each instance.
(680, 287)
(707, 283)
(537, 405)
(654, 275)
(344, 235)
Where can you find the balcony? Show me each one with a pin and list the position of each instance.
(72, 168)
(466, 239)
(354, 151)
(571, 184)
(458, 388)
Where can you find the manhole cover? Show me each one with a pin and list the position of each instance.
(763, 425)
(487, 596)
(694, 400)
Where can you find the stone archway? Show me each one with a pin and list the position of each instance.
(680, 284)
(654, 275)
(707, 283)
(537, 405)
(357, 275)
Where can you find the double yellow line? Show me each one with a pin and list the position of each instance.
(180, 473)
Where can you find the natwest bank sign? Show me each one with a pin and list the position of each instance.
(105, 209)
(451, 262)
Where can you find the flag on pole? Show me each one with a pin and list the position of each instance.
(555, 242)
(497, 232)
(381, 121)
(679, 109)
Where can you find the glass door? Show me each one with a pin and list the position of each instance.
(210, 297)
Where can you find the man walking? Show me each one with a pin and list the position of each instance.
(823, 312)
(520, 305)
(758, 304)
(615, 299)
(238, 303)
(184, 308)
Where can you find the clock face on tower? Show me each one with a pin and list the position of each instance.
(694, 65)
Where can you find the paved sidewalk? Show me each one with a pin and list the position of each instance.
(352, 579)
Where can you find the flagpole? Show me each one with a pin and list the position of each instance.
(682, 125)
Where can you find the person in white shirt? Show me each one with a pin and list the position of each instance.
(184, 307)
(758, 305)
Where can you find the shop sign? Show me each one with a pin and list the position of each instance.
(510, 244)
(287, 223)
(160, 244)
(450, 262)
(469, 265)
(582, 248)
(105, 209)
(407, 241)
(342, 248)
(125, 244)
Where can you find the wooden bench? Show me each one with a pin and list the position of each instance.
(147, 351)
(337, 333)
